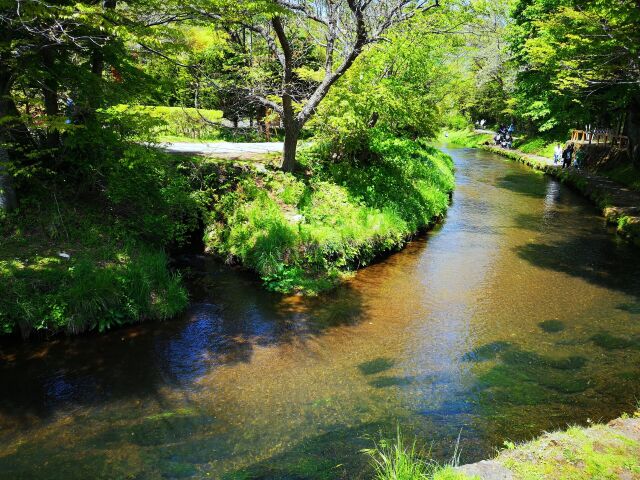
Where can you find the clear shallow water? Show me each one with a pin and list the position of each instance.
(521, 313)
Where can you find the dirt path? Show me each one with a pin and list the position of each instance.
(228, 150)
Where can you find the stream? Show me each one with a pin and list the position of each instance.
(520, 313)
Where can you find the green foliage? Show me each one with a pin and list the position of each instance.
(394, 86)
(181, 121)
(151, 196)
(305, 233)
(576, 64)
(114, 215)
(102, 285)
(395, 460)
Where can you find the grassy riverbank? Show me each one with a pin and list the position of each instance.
(305, 232)
(466, 138)
(92, 257)
(610, 451)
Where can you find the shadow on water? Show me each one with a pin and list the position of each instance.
(377, 365)
(327, 456)
(552, 326)
(518, 377)
(601, 263)
(184, 444)
(523, 183)
(137, 362)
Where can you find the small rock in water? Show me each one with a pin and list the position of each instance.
(64, 255)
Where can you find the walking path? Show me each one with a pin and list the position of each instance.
(228, 150)
(619, 204)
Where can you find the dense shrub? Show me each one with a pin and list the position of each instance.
(113, 210)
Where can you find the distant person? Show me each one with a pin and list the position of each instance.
(566, 156)
(482, 123)
(512, 128)
(557, 154)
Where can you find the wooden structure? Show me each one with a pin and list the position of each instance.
(600, 137)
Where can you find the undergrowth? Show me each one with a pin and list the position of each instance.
(395, 460)
(91, 256)
(626, 174)
(304, 233)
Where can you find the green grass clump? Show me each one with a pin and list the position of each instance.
(464, 138)
(304, 233)
(92, 256)
(103, 284)
(395, 460)
(578, 453)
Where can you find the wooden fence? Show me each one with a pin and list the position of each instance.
(600, 137)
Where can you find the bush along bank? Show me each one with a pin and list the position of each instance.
(303, 233)
(86, 250)
(620, 206)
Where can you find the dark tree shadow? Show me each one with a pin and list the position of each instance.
(377, 365)
(388, 381)
(235, 315)
(552, 326)
(598, 261)
(524, 184)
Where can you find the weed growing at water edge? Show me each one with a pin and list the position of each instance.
(395, 460)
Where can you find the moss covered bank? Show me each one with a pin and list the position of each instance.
(610, 451)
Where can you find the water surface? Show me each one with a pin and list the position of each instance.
(519, 314)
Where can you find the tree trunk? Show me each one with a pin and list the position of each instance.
(14, 134)
(8, 200)
(50, 95)
(291, 134)
(632, 129)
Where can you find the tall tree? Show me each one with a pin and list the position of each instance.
(579, 63)
(337, 31)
